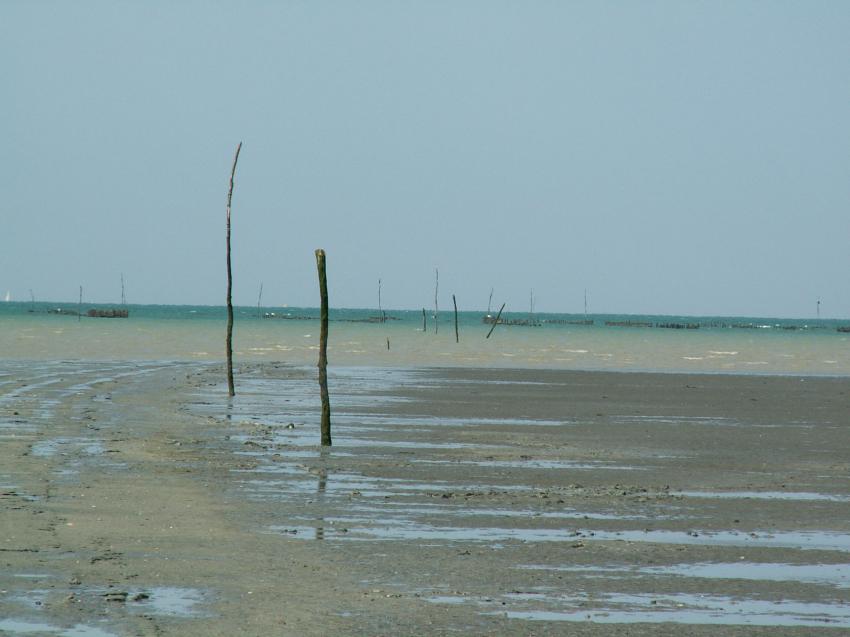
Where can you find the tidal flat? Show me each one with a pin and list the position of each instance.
(136, 498)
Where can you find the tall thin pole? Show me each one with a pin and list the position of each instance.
(229, 339)
(457, 334)
(436, 306)
(490, 301)
(380, 310)
(80, 306)
(259, 300)
(424, 321)
(123, 296)
(323, 349)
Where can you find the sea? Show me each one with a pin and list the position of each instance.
(404, 339)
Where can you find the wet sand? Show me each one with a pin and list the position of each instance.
(136, 500)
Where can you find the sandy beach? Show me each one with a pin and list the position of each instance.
(135, 499)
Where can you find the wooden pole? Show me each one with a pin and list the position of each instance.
(424, 321)
(260, 300)
(457, 334)
(381, 316)
(496, 322)
(436, 306)
(323, 349)
(228, 345)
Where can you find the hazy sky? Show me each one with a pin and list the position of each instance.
(670, 157)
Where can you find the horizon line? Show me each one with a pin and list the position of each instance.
(430, 311)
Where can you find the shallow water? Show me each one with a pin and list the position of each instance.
(632, 608)
(339, 484)
(173, 601)
(195, 334)
(392, 520)
(765, 495)
(549, 464)
(28, 627)
(380, 513)
(682, 608)
(835, 575)
(406, 530)
(169, 601)
(64, 446)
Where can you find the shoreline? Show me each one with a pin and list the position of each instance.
(136, 500)
(212, 362)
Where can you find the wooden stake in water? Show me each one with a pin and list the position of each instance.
(457, 334)
(228, 344)
(424, 321)
(323, 349)
(436, 306)
(496, 322)
(260, 300)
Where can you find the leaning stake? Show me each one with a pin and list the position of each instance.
(457, 335)
(323, 350)
(228, 345)
(496, 322)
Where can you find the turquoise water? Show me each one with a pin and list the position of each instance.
(174, 332)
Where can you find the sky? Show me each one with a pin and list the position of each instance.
(688, 158)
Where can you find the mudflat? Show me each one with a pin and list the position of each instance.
(136, 499)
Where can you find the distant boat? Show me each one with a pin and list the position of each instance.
(8, 296)
(109, 313)
(489, 319)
